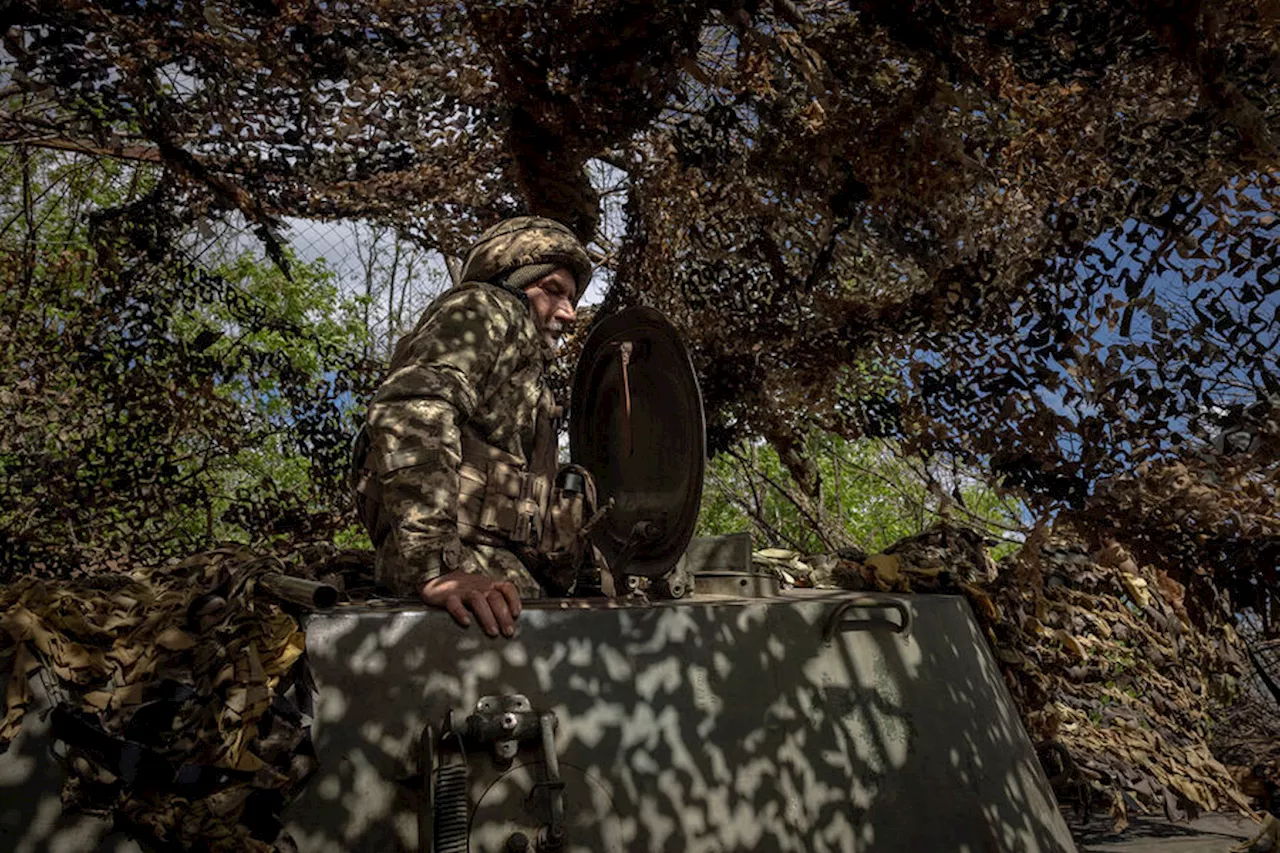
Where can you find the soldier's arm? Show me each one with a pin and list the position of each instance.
(415, 424)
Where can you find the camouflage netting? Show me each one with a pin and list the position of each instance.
(1247, 737)
(1119, 669)
(170, 687)
(1117, 684)
(1039, 237)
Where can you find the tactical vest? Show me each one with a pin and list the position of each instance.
(540, 511)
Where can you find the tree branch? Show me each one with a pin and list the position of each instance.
(830, 538)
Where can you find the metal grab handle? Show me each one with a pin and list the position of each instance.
(837, 624)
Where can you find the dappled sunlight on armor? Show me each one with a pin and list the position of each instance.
(729, 725)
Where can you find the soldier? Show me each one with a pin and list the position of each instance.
(456, 465)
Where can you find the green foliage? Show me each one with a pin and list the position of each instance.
(299, 320)
(870, 498)
(157, 405)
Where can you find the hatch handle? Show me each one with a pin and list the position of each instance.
(837, 623)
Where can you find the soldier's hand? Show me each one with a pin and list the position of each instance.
(496, 604)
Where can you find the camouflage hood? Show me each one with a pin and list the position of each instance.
(518, 251)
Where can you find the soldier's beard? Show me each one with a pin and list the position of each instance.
(552, 333)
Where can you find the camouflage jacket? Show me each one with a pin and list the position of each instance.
(475, 358)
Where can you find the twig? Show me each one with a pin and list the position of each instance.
(757, 518)
(818, 527)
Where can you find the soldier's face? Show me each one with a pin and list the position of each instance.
(551, 299)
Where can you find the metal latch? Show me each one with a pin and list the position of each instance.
(500, 724)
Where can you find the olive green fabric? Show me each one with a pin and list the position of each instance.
(475, 359)
(521, 277)
(526, 241)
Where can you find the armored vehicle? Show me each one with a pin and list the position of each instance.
(704, 709)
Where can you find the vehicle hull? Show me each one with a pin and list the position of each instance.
(810, 721)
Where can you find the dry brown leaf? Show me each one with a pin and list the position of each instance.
(1119, 813)
(18, 694)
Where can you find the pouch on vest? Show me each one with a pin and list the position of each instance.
(563, 545)
(499, 502)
